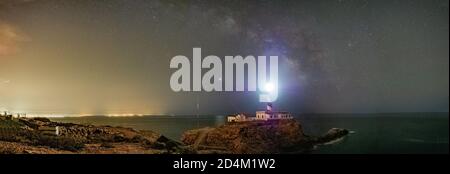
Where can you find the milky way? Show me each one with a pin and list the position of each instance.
(102, 57)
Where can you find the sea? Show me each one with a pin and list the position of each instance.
(389, 133)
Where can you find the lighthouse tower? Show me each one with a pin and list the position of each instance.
(269, 107)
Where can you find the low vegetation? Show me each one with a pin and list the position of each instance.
(39, 139)
(41, 135)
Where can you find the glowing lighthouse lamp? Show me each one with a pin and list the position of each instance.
(269, 87)
(270, 93)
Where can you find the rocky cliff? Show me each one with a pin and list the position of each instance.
(276, 136)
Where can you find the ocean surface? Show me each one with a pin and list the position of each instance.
(405, 133)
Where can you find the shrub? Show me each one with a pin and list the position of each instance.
(138, 139)
(41, 119)
(157, 145)
(118, 138)
(63, 143)
(11, 134)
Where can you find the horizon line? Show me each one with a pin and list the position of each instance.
(194, 114)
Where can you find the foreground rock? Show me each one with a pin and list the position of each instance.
(276, 136)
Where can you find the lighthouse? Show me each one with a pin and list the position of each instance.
(269, 107)
(265, 115)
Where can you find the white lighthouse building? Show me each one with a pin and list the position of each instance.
(268, 114)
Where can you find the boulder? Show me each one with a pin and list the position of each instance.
(332, 134)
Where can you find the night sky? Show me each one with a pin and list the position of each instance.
(86, 57)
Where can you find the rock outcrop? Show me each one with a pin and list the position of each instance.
(258, 137)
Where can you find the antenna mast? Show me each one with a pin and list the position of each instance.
(198, 108)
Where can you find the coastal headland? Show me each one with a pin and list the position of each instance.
(43, 136)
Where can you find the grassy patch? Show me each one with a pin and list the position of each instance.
(10, 124)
